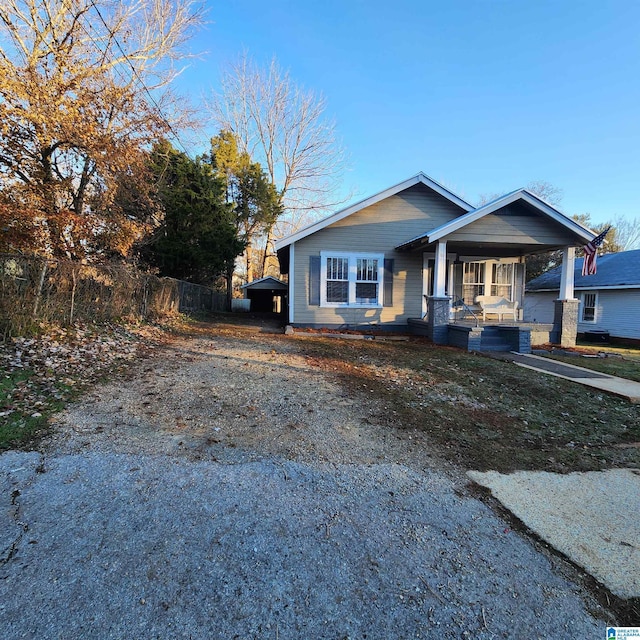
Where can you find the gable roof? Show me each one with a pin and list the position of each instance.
(615, 270)
(420, 178)
(264, 282)
(584, 234)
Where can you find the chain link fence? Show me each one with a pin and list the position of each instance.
(196, 298)
(34, 290)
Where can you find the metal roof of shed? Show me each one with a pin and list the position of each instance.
(268, 282)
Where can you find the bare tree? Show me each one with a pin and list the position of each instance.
(285, 129)
(627, 233)
(547, 191)
(76, 110)
(541, 188)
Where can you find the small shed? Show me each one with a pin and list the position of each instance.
(267, 294)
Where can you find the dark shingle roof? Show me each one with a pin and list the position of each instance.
(614, 270)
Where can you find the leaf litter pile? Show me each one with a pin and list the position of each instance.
(40, 373)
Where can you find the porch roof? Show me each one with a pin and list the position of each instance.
(504, 243)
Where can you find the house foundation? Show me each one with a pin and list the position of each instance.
(565, 323)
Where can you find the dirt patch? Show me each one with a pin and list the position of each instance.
(235, 396)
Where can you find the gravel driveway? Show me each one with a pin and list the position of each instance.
(230, 489)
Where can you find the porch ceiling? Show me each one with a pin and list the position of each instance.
(484, 249)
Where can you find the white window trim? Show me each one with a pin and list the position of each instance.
(595, 307)
(352, 257)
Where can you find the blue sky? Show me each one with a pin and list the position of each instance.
(483, 96)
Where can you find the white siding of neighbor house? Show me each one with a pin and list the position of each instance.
(617, 311)
(539, 306)
(375, 229)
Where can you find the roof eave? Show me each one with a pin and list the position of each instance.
(276, 280)
(584, 287)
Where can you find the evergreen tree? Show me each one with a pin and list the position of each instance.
(255, 201)
(197, 240)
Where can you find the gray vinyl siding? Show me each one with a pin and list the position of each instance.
(513, 230)
(375, 229)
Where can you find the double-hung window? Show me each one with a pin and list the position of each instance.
(472, 281)
(589, 306)
(502, 280)
(367, 280)
(351, 279)
(337, 280)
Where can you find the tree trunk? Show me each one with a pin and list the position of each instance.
(55, 229)
(249, 254)
(78, 200)
(267, 255)
(229, 278)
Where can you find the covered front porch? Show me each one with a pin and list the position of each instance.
(474, 274)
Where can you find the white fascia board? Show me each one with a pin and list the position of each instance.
(611, 287)
(367, 202)
(521, 194)
(262, 280)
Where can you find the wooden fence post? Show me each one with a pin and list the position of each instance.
(43, 273)
(74, 279)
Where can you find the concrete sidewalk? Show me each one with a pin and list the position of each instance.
(628, 389)
(592, 518)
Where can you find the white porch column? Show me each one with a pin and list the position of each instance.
(440, 272)
(566, 276)
(292, 283)
(425, 283)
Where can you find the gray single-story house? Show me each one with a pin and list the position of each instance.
(417, 255)
(609, 300)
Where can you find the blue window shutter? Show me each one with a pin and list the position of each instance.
(314, 280)
(387, 293)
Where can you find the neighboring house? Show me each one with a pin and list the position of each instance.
(406, 253)
(609, 300)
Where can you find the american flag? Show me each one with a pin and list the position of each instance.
(591, 254)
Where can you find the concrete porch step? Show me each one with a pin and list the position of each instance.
(492, 339)
(496, 347)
